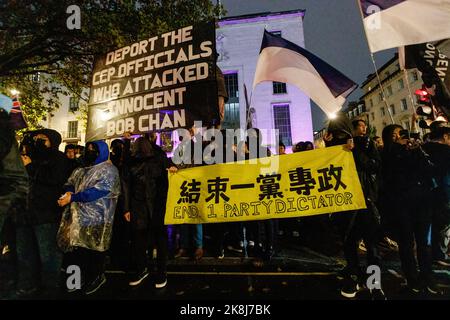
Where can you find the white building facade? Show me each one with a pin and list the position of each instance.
(67, 121)
(397, 107)
(276, 105)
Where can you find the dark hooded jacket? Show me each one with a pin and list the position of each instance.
(146, 188)
(407, 174)
(47, 174)
(440, 156)
(368, 166)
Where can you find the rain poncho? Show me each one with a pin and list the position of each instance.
(88, 221)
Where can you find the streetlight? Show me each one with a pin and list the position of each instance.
(14, 92)
(332, 116)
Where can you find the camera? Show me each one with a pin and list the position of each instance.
(26, 147)
(404, 134)
(362, 141)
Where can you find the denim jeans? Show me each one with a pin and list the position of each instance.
(38, 256)
(191, 232)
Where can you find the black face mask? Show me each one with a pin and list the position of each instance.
(90, 156)
(39, 144)
(39, 148)
(117, 152)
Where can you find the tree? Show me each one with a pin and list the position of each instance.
(35, 42)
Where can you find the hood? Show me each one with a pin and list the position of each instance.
(103, 151)
(53, 136)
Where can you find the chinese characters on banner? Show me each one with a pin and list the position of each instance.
(308, 183)
(160, 83)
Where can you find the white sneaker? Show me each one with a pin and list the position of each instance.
(161, 285)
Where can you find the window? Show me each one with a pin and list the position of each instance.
(373, 116)
(392, 109)
(73, 104)
(380, 97)
(389, 91)
(279, 88)
(232, 118)
(360, 109)
(383, 113)
(72, 129)
(283, 123)
(401, 85)
(371, 103)
(404, 104)
(36, 77)
(232, 85)
(414, 76)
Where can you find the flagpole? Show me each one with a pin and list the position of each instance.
(375, 65)
(247, 106)
(408, 85)
(382, 88)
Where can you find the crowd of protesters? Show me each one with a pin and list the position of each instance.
(98, 201)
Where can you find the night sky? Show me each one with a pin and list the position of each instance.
(333, 31)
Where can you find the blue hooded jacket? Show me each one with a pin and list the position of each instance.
(93, 194)
(88, 221)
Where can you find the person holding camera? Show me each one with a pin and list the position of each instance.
(360, 224)
(39, 259)
(406, 195)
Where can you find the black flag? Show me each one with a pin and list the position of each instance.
(435, 68)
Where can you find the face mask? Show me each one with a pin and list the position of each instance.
(90, 156)
(117, 152)
(40, 144)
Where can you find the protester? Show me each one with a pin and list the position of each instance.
(146, 190)
(363, 224)
(39, 259)
(86, 226)
(406, 195)
(13, 196)
(281, 148)
(120, 242)
(191, 236)
(70, 152)
(439, 150)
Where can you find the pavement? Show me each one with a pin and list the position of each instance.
(300, 270)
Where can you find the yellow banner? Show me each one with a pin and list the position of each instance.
(294, 185)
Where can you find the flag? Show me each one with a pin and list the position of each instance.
(435, 69)
(395, 23)
(283, 61)
(17, 120)
(6, 102)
